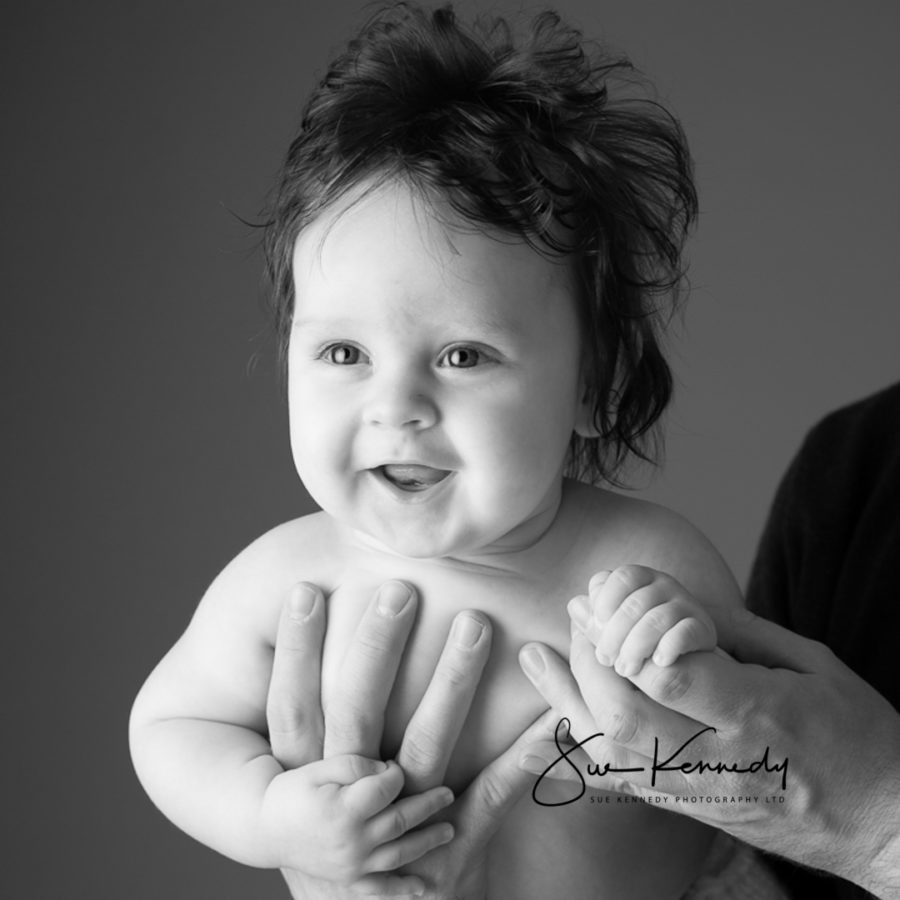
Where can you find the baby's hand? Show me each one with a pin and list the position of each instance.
(634, 613)
(336, 818)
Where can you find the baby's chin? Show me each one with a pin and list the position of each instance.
(422, 543)
(421, 546)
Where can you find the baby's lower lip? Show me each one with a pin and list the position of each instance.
(412, 477)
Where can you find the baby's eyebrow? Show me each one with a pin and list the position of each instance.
(497, 327)
(474, 327)
(325, 324)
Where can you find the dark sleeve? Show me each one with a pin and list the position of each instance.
(826, 563)
(778, 554)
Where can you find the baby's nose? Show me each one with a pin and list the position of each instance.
(400, 403)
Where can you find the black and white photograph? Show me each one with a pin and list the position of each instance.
(455, 449)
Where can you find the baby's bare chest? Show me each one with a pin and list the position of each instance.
(581, 849)
(519, 610)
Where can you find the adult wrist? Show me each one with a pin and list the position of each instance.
(870, 849)
(880, 868)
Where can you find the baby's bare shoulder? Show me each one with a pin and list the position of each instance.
(631, 531)
(303, 545)
(256, 582)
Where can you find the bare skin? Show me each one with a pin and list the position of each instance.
(435, 382)
(299, 730)
(840, 812)
(354, 724)
(227, 654)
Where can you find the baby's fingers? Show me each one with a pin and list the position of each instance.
(619, 600)
(371, 793)
(412, 846)
(609, 590)
(688, 635)
(633, 630)
(406, 814)
(665, 632)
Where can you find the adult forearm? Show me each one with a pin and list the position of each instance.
(841, 809)
(882, 877)
(873, 859)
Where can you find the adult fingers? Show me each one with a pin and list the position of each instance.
(753, 639)
(618, 709)
(354, 720)
(496, 789)
(293, 706)
(554, 681)
(710, 689)
(581, 613)
(545, 759)
(563, 773)
(584, 706)
(704, 700)
(434, 728)
(619, 753)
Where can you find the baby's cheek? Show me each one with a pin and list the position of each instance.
(324, 469)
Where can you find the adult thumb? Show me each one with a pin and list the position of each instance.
(752, 639)
(497, 788)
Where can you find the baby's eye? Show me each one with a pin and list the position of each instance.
(462, 357)
(342, 355)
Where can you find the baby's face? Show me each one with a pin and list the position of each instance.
(434, 378)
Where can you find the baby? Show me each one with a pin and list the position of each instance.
(470, 247)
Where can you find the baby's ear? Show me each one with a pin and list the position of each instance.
(584, 416)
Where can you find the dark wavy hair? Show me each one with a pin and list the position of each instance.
(542, 137)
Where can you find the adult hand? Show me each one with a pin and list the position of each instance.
(353, 723)
(782, 695)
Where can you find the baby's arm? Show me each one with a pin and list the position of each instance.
(634, 613)
(198, 745)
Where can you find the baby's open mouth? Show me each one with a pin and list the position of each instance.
(411, 477)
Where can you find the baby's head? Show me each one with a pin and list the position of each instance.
(506, 166)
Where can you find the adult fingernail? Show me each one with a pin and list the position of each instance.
(301, 602)
(579, 611)
(392, 598)
(532, 662)
(467, 630)
(533, 764)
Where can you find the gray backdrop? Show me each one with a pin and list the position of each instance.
(144, 422)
